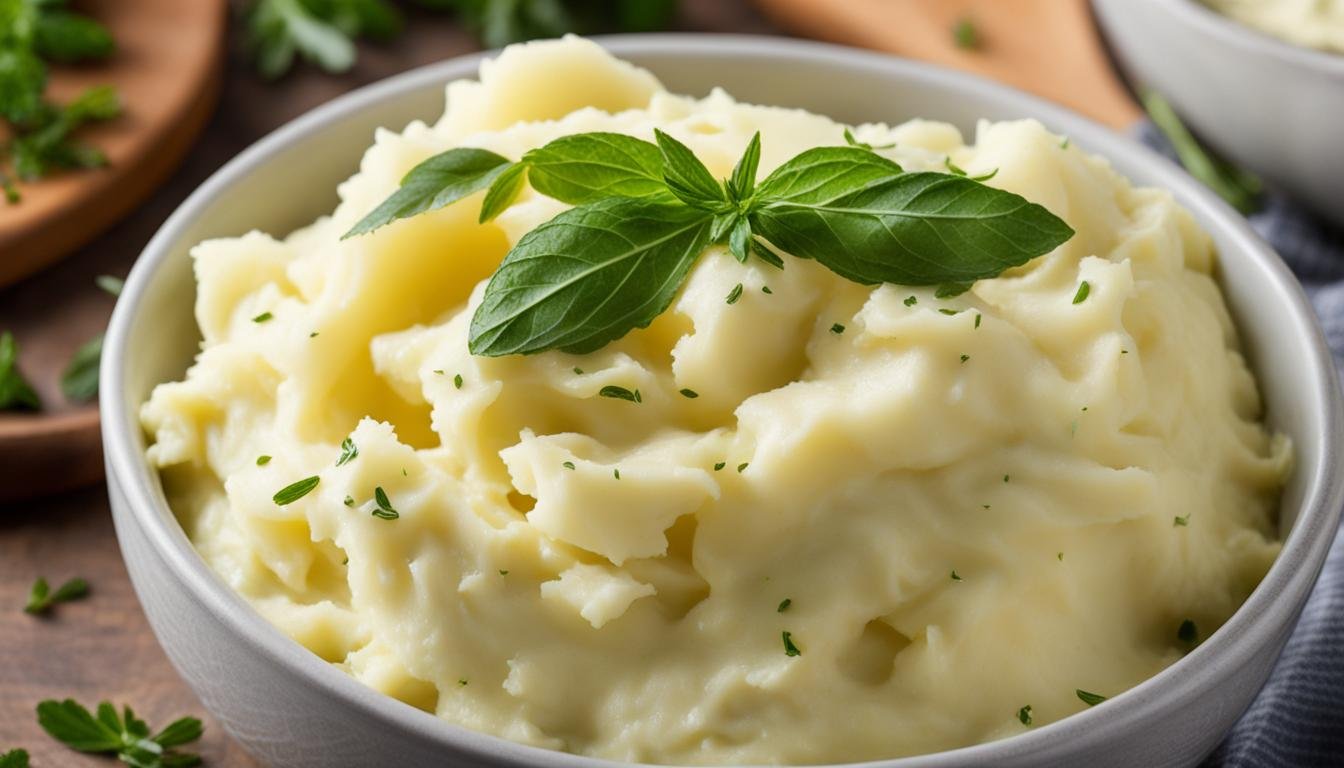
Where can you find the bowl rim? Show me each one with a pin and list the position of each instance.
(1294, 571)
(1252, 40)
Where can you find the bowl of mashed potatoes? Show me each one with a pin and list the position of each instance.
(1261, 81)
(1068, 513)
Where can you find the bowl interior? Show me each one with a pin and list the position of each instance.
(289, 179)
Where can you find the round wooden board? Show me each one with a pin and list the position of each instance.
(1047, 47)
(170, 55)
(168, 70)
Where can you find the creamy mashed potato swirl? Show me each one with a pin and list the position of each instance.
(956, 507)
(1309, 23)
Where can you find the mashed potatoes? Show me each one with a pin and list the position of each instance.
(1311, 23)
(955, 508)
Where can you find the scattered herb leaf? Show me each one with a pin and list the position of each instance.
(784, 605)
(296, 490)
(384, 509)
(349, 451)
(41, 598)
(789, 648)
(1090, 699)
(15, 391)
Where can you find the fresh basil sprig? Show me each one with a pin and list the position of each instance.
(644, 212)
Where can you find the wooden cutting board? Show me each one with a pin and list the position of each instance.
(170, 54)
(1047, 47)
(168, 65)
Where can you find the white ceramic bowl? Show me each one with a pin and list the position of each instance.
(291, 709)
(1265, 104)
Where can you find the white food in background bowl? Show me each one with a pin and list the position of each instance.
(972, 504)
(1311, 23)
(1269, 106)
(293, 709)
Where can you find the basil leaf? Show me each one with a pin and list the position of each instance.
(437, 182)
(585, 167)
(15, 391)
(743, 180)
(503, 191)
(821, 174)
(739, 239)
(687, 177)
(79, 382)
(911, 228)
(588, 276)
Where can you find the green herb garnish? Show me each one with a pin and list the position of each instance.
(766, 290)
(384, 509)
(457, 381)
(1083, 290)
(689, 394)
(1024, 715)
(784, 605)
(263, 317)
(41, 598)
(79, 381)
(966, 35)
(837, 329)
(15, 391)
(964, 358)
(616, 473)
(620, 393)
(955, 577)
(644, 212)
(349, 501)
(295, 491)
(567, 464)
(734, 294)
(853, 142)
(1090, 699)
(123, 735)
(789, 648)
(263, 460)
(1187, 633)
(15, 758)
(742, 467)
(1180, 520)
(1240, 188)
(349, 451)
(719, 465)
(911, 301)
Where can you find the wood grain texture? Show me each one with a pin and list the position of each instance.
(1048, 47)
(167, 70)
(102, 647)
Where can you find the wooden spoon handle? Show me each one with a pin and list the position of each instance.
(1048, 47)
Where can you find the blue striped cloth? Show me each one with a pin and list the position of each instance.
(1297, 721)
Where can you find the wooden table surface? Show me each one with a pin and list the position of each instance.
(101, 647)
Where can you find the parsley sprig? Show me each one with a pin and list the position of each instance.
(644, 212)
(32, 34)
(324, 32)
(123, 735)
(41, 597)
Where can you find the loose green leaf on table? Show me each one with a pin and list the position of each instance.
(41, 598)
(319, 31)
(1240, 188)
(121, 734)
(79, 382)
(15, 391)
